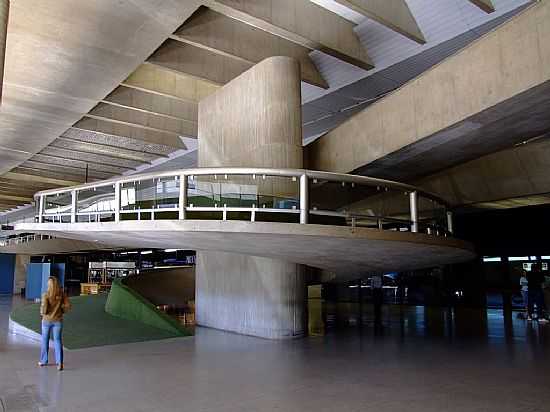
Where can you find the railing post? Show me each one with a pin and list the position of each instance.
(40, 209)
(304, 199)
(413, 197)
(183, 196)
(117, 202)
(450, 222)
(73, 206)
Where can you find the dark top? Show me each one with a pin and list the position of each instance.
(535, 280)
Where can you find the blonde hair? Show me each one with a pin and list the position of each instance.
(54, 289)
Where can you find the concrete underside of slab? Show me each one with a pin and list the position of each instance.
(518, 119)
(345, 250)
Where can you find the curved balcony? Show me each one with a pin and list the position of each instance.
(337, 222)
(252, 194)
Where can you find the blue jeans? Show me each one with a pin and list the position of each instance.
(525, 296)
(57, 328)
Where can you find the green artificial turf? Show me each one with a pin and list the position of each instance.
(87, 324)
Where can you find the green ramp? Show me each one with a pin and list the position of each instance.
(124, 302)
(88, 325)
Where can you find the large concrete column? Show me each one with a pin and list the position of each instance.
(253, 121)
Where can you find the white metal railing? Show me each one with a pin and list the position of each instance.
(303, 196)
(21, 239)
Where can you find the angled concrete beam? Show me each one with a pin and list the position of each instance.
(198, 62)
(153, 103)
(23, 177)
(394, 14)
(126, 130)
(220, 34)
(152, 79)
(302, 22)
(148, 121)
(485, 5)
(471, 104)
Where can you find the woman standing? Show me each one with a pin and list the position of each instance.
(54, 304)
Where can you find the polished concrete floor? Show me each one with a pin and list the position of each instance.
(421, 360)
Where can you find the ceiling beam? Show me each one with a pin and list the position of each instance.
(39, 179)
(148, 121)
(152, 79)
(68, 169)
(394, 14)
(302, 22)
(229, 37)
(15, 198)
(25, 184)
(97, 148)
(486, 5)
(91, 158)
(80, 178)
(153, 103)
(93, 167)
(132, 132)
(198, 62)
(14, 188)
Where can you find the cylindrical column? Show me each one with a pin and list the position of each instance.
(413, 196)
(4, 13)
(304, 199)
(183, 196)
(450, 222)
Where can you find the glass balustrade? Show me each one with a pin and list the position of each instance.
(270, 195)
(97, 204)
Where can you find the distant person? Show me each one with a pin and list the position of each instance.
(54, 304)
(523, 282)
(535, 280)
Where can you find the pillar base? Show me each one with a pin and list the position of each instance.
(250, 295)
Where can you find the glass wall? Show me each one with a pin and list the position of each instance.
(96, 204)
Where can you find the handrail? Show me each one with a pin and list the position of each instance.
(177, 200)
(221, 171)
(23, 239)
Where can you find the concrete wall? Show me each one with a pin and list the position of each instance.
(253, 121)
(165, 286)
(250, 295)
(485, 98)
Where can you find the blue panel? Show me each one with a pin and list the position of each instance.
(46, 270)
(7, 270)
(33, 289)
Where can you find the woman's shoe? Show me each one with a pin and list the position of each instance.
(60, 367)
(42, 364)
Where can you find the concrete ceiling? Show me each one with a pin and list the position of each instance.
(96, 89)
